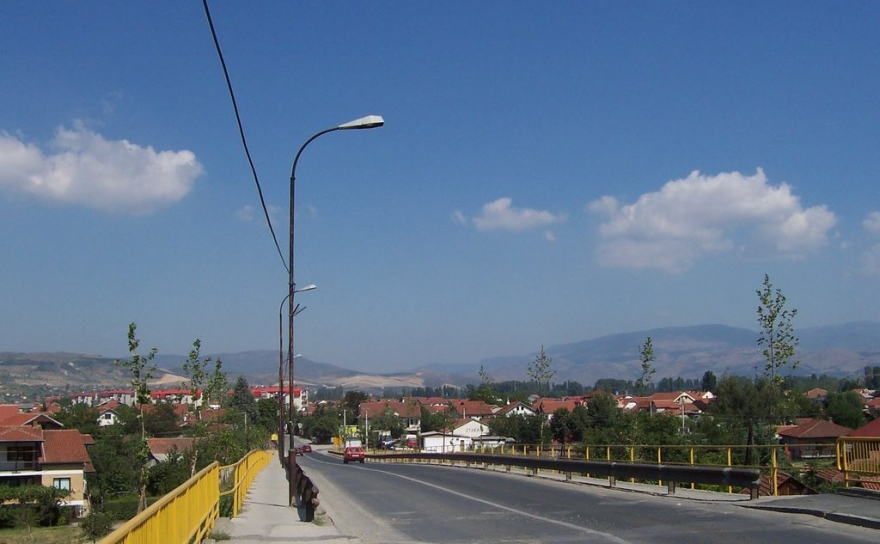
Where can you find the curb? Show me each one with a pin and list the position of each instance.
(849, 519)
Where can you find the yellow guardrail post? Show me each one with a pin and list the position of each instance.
(659, 461)
(692, 463)
(632, 459)
(729, 464)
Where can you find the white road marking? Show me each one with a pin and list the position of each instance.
(572, 526)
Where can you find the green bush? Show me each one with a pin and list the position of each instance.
(96, 525)
(121, 508)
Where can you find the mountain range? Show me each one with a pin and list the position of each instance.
(840, 350)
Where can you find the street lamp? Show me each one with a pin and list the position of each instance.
(297, 310)
(370, 121)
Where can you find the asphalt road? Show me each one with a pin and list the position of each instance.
(396, 503)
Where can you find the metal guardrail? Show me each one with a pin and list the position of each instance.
(858, 458)
(302, 492)
(671, 474)
(187, 514)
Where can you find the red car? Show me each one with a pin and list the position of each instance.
(307, 448)
(353, 453)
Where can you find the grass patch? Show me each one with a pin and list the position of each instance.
(44, 535)
(220, 535)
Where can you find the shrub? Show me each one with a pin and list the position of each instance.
(96, 525)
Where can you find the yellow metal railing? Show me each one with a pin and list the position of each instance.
(858, 458)
(862, 455)
(186, 514)
(244, 473)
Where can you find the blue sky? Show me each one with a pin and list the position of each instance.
(548, 172)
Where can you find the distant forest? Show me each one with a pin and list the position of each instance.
(520, 390)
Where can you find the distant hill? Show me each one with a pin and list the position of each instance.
(689, 352)
(840, 350)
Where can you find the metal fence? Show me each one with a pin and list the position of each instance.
(187, 514)
(859, 459)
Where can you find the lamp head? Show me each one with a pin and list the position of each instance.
(370, 121)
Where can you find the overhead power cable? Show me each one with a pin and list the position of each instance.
(241, 132)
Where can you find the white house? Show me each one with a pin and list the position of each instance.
(437, 442)
(470, 427)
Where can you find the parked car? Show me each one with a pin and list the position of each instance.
(307, 448)
(298, 450)
(388, 444)
(353, 453)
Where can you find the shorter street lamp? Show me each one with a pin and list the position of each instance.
(297, 310)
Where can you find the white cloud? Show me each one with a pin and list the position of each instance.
(86, 169)
(245, 213)
(870, 261)
(872, 223)
(669, 229)
(500, 215)
(459, 217)
(550, 236)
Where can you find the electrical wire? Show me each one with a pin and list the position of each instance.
(241, 131)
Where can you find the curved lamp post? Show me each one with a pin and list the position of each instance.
(370, 121)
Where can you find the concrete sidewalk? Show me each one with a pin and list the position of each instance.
(266, 517)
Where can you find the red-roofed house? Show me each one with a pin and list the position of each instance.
(517, 409)
(869, 430)
(812, 438)
(31, 455)
(161, 448)
(548, 406)
(410, 413)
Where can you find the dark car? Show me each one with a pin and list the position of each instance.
(307, 448)
(353, 453)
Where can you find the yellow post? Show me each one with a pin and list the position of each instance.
(568, 453)
(608, 448)
(632, 459)
(729, 464)
(692, 463)
(659, 461)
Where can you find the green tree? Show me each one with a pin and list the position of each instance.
(160, 420)
(321, 425)
(217, 385)
(432, 421)
(646, 355)
(484, 392)
(776, 331)
(353, 399)
(388, 421)
(710, 382)
(243, 399)
(539, 371)
(80, 417)
(141, 369)
(845, 409)
(602, 411)
(267, 414)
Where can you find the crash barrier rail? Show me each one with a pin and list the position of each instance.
(187, 513)
(858, 459)
(302, 491)
(768, 458)
(671, 474)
